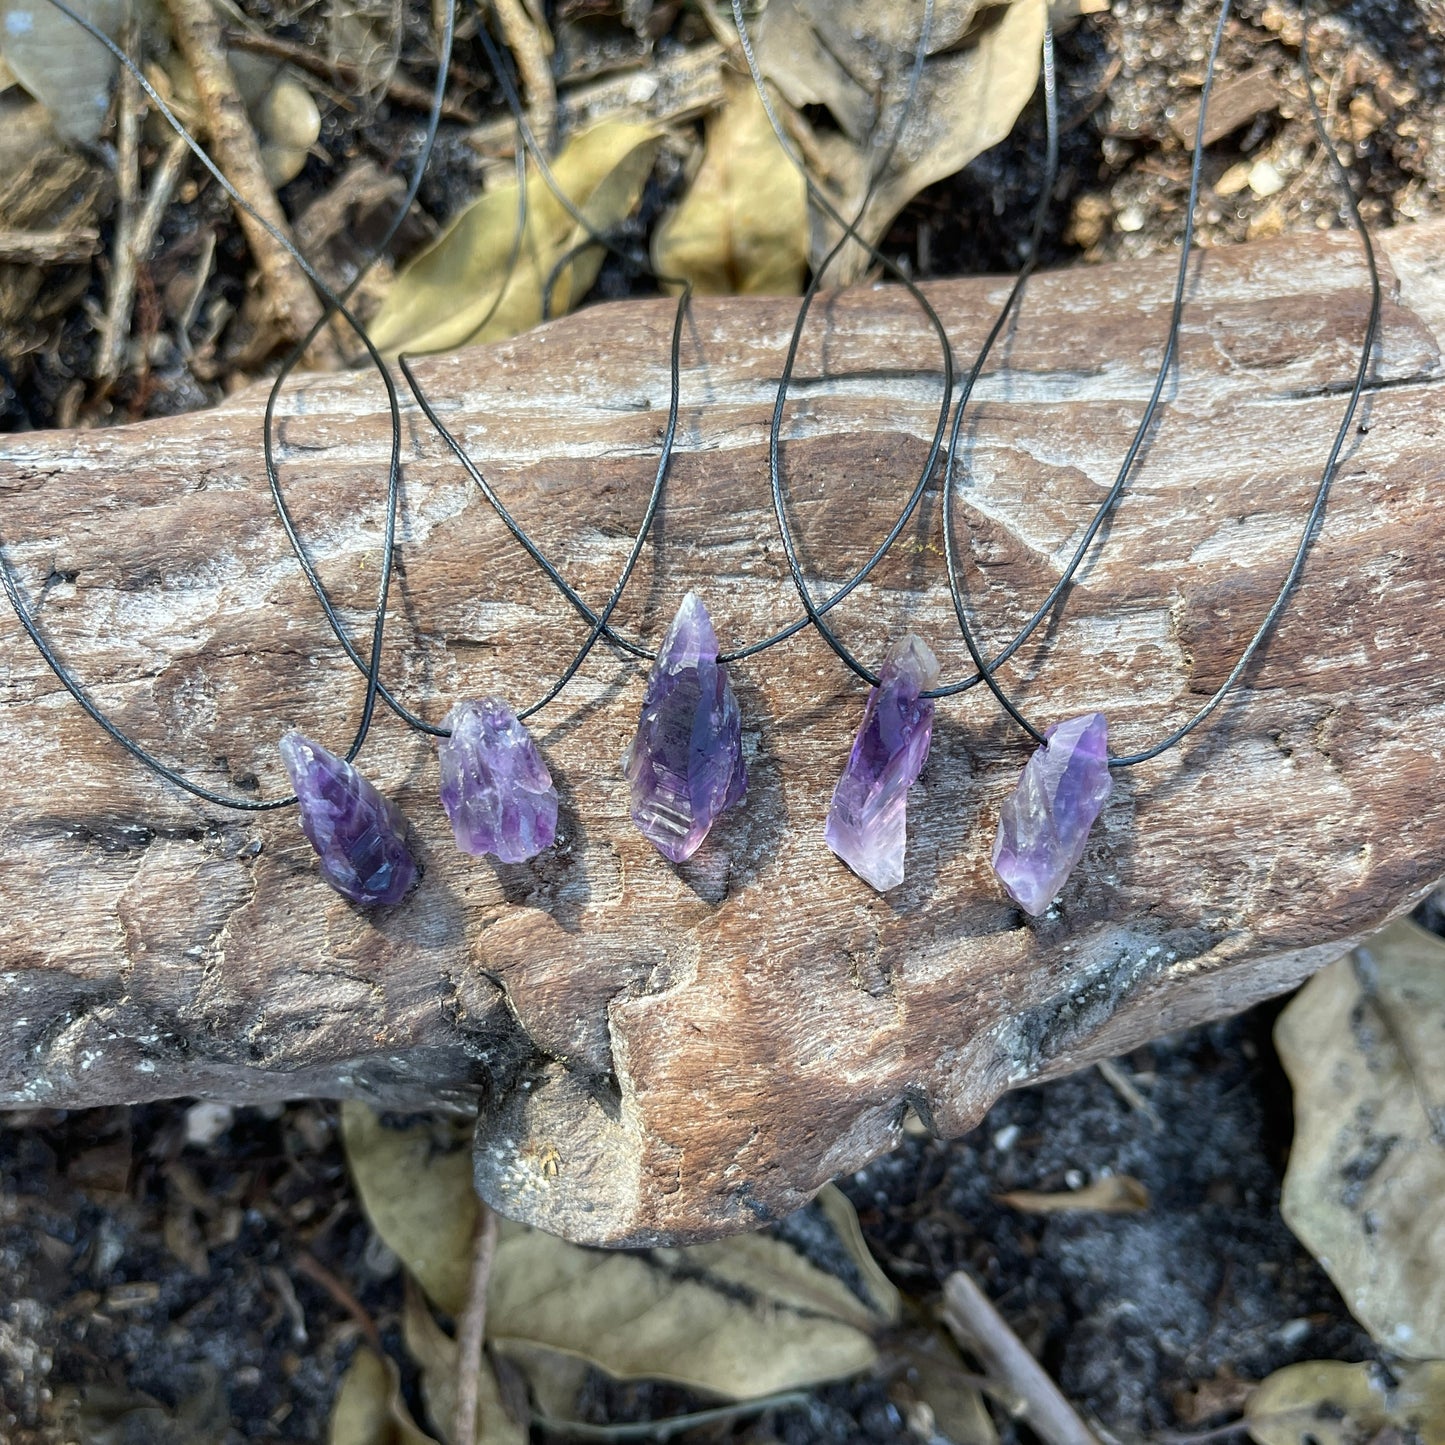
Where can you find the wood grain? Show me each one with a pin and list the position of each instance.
(672, 1053)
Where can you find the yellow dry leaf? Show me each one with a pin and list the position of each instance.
(843, 1218)
(711, 1320)
(742, 227)
(368, 1409)
(741, 1318)
(415, 1185)
(1114, 1194)
(855, 57)
(462, 288)
(1330, 1403)
(1365, 1187)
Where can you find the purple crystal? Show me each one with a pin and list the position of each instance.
(1044, 823)
(359, 836)
(495, 787)
(868, 819)
(686, 762)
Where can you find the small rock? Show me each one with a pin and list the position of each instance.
(1265, 179)
(207, 1121)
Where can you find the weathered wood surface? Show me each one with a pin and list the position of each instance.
(666, 1052)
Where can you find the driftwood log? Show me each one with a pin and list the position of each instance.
(671, 1053)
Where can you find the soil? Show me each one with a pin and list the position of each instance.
(186, 1274)
(197, 1274)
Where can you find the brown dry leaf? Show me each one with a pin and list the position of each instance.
(727, 1318)
(1324, 1402)
(740, 1318)
(1365, 1187)
(742, 227)
(435, 1353)
(448, 296)
(416, 1188)
(1113, 1194)
(368, 1409)
(982, 66)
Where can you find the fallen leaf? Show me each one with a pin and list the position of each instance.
(435, 1353)
(368, 1409)
(463, 289)
(722, 1317)
(843, 1219)
(415, 1185)
(1365, 1186)
(1325, 1402)
(854, 57)
(933, 1376)
(742, 226)
(68, 71)
(741, 1318)
(1113, 1194)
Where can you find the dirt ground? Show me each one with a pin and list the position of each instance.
(199, 1273)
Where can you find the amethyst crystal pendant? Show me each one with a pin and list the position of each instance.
(868, 819)
(685, 764)
(359, 836)
(1044, 823)
(495, 787)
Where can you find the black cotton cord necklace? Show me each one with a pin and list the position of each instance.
(867, 819)
(685, 764)
(359, 835)
(334, 304)
(1045, 822)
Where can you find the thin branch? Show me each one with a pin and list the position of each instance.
(293, 309)
(982, 1331)
(472, 1326)
(115, 329)
(48, 248)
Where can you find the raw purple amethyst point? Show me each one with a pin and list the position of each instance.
(1044, 823)
(685, 764)
(494, 785)
(868, 819)
(359, 835)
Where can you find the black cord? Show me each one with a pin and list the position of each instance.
(334, 303)
(1317, 508)
(599, 622)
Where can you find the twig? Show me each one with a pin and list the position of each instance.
(293, 310)
(48, 248)
(983, 1332)
(398, 87)
(1128, 1091)
(115, 328)
(527, 47)
(472, 1326)
(307, 1264)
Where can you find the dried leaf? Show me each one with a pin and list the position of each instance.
(982, 66)
(368, 1409)
(720, 1317)
(69, 72)
(1113, 1194)
(742, 227)
(435, 1353)
(843, 1218)
(1365, 1187)
(1324, 1402)
(448, 295)
(933, 1376)
(415, 1185)
(742, 1318)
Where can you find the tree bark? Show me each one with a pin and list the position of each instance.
(661, 1053)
